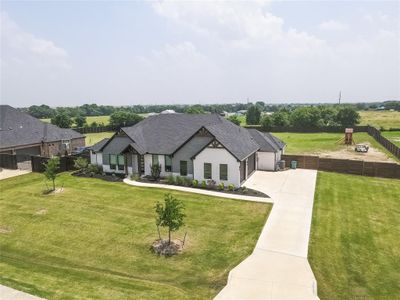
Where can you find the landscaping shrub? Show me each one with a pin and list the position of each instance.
(188, 181)
(231, 187)
(171, 179)
(81, 164)
(135, 177)
(96, 169)
(155, 171)
(195, 183)
(221, 186)
(243, 189)
(180, 180)
(211, 183)
(204, 184)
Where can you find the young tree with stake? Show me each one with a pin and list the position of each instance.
(170, 214)
(51, 168)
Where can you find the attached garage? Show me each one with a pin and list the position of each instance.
(271, 149)
(267, 161)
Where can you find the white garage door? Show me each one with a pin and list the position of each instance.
(266, 161)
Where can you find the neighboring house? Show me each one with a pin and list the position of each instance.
(199, 146)
(24, 135)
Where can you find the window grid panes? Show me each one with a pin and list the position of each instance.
(223, 172)
(207, 171)
(183, 167)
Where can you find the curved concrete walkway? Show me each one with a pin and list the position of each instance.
(198, 191)
(278, 267)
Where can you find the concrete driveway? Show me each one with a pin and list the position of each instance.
(278, 267)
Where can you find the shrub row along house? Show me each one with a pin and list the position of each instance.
(202, 147)
(24, 135)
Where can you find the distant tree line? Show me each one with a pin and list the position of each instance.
(284, 114)
(305, 117)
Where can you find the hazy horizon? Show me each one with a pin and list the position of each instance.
(162, 52)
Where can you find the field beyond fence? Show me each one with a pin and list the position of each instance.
(347, 166)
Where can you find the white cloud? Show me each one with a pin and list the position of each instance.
(23, 46)
(246, 25)
(332, 25)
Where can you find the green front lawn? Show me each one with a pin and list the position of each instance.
(92, 241)
(354, 248)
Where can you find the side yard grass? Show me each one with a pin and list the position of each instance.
(92, 240)
(93, 138)
(90, 119)
(322, 142)
(385, 119)
(393, 136)
(354, 248)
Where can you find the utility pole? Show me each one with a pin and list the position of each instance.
(340, 96)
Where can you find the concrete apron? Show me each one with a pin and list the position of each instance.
(278, 267)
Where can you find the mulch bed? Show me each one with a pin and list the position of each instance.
(237, 191)
(106, 177)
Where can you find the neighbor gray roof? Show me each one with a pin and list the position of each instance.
(18, 129)
(96, 147)
(266, 141)
(165, 133)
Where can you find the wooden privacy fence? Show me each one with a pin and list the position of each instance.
(332, 129)
(347, 166)
(84, 130)
(391, 147)
(66, 163)
(8, 161)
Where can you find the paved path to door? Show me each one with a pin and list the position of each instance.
(278, 267)
(198, 191)
(7, 293)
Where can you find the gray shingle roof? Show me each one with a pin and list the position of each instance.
(96, 147)
(18, 129)
(163, 134)
(266, 141)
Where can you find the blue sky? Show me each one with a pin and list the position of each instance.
(124, 53)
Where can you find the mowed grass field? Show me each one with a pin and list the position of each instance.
(92, 240)
(89, 120)
(393, 136)
(93, 138)
(385, 119)
(317, 143)
(354, 249)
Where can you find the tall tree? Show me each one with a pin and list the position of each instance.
(234, 119)
(253, 115)
(170, 214)
(347, 116)
(266, 123)
(50, 170)
(124, 118)
(62, 120)
(306, 117)
(80, 121)
(194, 109)
(280, 118)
